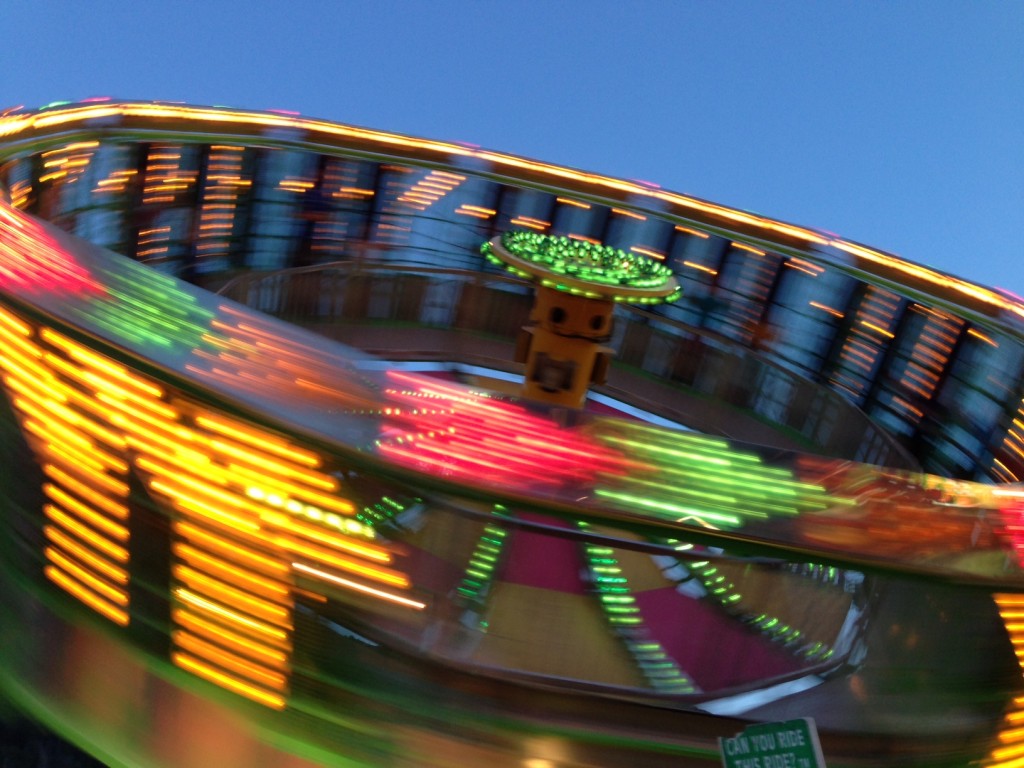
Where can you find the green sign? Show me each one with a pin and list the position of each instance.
(792, 744)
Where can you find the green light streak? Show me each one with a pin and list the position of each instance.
(480, 570)
(672, 511)
(703, 480)
(383, 511)
(147, 308)
(726, 595)
(622, 613)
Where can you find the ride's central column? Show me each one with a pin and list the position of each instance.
(577, 284)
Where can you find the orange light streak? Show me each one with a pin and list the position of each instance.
(85, 556)
(647, 252)
(825, 308)
(85, 513)
(701, 267)
(220, 633)
(93, 601)
(749, 248)
(110, 593)
(239, 599)
(327, 557)
(91, 495)
(229, 661)
(530, 223)
(979, 335)
(242, 555)
(575, 203)
(244, 579)
(90, 475)
(276, 634)
(878, 329)
(347, 584)
(200, 669)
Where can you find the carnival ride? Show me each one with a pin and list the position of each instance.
(342, 536)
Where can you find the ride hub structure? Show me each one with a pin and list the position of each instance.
(296, 473)
(578, 283)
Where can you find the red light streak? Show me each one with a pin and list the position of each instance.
(452, 431)
(34, 261)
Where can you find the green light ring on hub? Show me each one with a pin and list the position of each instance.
(583, 268)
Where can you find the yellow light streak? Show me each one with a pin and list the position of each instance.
(76, 419)
(188, 503)
(100, 363)
(15, 324)
(320, 536)
(89, 475)
(171, 447)
(26, 355)
(198, 486)
(63, 440)
(72, 147)
(979, 335)
(315, 479)
(259, 440)
(41, 392)
(256, 479)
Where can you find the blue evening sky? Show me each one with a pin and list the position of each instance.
(896, 124)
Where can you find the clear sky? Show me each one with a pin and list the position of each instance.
(896, 124)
